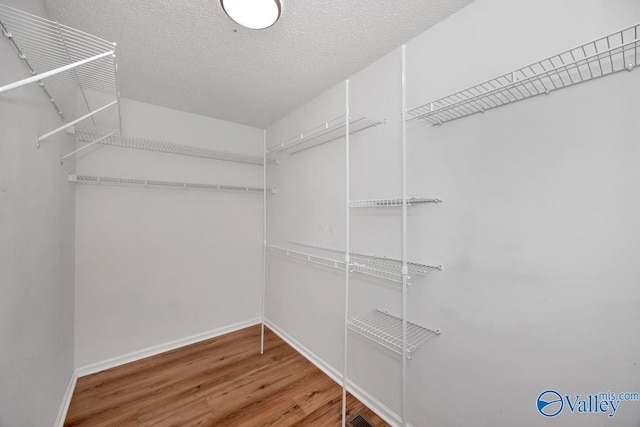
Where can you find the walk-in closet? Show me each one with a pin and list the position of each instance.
(288, 213)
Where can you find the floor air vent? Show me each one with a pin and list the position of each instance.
(359, 421)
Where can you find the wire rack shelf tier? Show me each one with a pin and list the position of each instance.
(97, 180)
(381, 203)
(322, 134)
(607, 55)
(390, 264)
(386, 330)
(61, 60)
(88, 135)
(332, 260)
(370, 265)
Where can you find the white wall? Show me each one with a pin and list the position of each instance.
(539, 228)
(537, 233)
(308, 208)
(306, 301)
(158, 265)
(36, 250)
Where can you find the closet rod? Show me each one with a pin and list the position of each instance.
(89, 179)
(46, 74)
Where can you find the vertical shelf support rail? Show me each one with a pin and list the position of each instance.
(405, 271)
(347, 260)
(264, 236)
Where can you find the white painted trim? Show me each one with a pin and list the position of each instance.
(152, 351)
(66, 400)
(371, 402)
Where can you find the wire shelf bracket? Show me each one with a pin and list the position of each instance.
(382, 203)
(89, 179)
(607, 55)
(89, 135)
(66, 58)
(84, 147)
(386, 330)
(322, 134)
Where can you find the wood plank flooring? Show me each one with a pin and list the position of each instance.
(224, 381)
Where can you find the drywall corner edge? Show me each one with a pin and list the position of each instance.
(66, 400)
(152, 351)
(371, 402)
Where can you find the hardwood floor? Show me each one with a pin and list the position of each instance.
(224, 381)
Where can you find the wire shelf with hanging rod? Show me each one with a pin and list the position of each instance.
(97, 180)
(62, 61)
(381, 203)
(89, 135)
(607, 55)
(322, 134)
(369, 265)
(386, 330)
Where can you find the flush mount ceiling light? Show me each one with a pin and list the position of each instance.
(253, 14)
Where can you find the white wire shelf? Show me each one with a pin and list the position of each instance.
(607, 55)
(381, 203)
(97, 180)
(88, 135)
(374, 266)
(389, 264)
(61, 60)
(322, 134)
(386, 330)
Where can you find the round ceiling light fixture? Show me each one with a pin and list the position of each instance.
(253, 14)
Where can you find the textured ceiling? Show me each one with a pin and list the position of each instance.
(187, 55)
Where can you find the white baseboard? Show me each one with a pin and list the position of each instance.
(152, 351)
(66, 401)
(391, 417)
